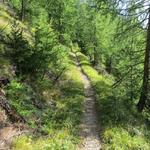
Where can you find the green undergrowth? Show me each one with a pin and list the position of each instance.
(7, 20)
(123, 128)
(52, 112)
(60, 140)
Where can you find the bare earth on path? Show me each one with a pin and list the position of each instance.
(89, 124)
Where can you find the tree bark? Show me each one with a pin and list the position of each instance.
(95, 59)
(109, 65)
(22, 16)
(145, 86)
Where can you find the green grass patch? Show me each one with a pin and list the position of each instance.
(57, 141)
(6, 21)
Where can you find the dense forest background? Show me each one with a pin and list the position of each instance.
(42, 91)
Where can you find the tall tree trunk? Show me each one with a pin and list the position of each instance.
(145, 86)
(22, 15)
(95, 61)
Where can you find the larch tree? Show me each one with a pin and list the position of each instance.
(22, 13)
(146, 77)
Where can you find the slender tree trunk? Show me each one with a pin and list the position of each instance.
(145, 86)
(131, 74)
(109, 65)
(22, 16)
(131, 85)
(95, 61)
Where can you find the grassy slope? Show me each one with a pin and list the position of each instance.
(61, 123)
(122, 127)
(5, 18)
(53, 112)
(6, 21)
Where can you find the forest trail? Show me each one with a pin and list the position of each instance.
(89, 129)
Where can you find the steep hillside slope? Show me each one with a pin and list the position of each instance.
(38, 113)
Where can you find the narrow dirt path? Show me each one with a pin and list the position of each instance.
(89, 124)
